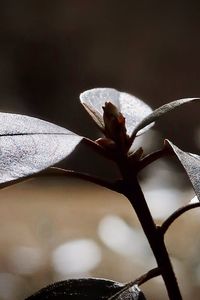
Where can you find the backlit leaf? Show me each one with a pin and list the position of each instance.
(161, 111)
(191, 164)
(88, 289)
(29, 145)
(133, 109)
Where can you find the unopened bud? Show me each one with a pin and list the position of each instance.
(114, 122)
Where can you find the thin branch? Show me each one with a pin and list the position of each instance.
(139, 281)
(54, 171)
(147, 276)
(148, 159)
(177, 214)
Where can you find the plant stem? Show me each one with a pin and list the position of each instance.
(148, 159)
(139, 281)
(132, 190)
(176, 215)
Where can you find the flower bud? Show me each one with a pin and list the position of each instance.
(114, 121)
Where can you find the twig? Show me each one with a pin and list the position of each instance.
(140, 280)
(148, 159)
(166, 224)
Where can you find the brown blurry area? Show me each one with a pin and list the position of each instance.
(51, 51)
(54, 230)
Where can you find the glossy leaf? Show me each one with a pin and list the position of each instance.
(88, 289)
(133, 109)
(191, 164)
(29, 145)
(161, 111)
(131, 293)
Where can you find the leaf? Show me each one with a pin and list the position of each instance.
(191, 164)
(89, 288)
(133, 109)
(161, 111)
(29, 145)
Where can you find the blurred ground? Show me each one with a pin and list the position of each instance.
(49, 53)
(54, 230)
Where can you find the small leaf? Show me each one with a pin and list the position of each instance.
(191, 164)
(90, 289)
(161, 111)
(29, 145)
(133, 109)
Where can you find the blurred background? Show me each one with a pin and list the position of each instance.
(50, 52)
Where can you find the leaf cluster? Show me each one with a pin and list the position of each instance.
(30, 146)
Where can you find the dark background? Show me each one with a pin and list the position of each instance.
(50, 52)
